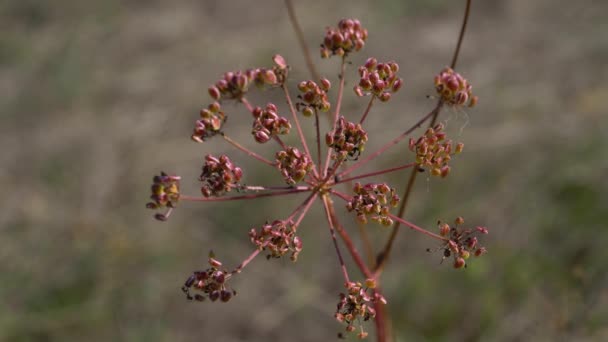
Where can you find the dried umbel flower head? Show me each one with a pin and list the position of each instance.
(278, 238)
(453, 89)
(165, 193)
(210, 123)
(347, 37)
(356, 305)
(211, 283)
(373, 200)
(347, 140)
(321, 175)
(219, 176)
(267, 123)
(313, 96)
(461, 242)
(293, 164)
(434, 151)
(378, 79)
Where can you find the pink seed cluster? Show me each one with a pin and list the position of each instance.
(278, 238)
(347, 37)
(373, 200)
(210, 123)
(357, 304)
(235, 84)
(219, 176)
(434, 151)
(293, 164)
(453, 89)
(462, 242)
(378, 79)
(210, 282)
(165, 191)
(267, 123)
(313, 96)
(347, 140)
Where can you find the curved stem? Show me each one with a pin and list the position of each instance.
(246, 150)
(318, 140)
(236, 198)
(333, 237)
(245, 262)
(369, 106)
(376, 173)
(336, 114)
(272, 188)
(298, 127)
(383, 256)
(298, 30)
(247, 104)
(309, 201)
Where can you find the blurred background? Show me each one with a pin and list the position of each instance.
(98, 96)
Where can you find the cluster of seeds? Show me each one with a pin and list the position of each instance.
(378, 79)
(211, 282)
(357, 304)
(348, 140)
(373, 200)
(278, 238)
(235, 84)
(453, 89)
(219, 176)
(165, 191)
(347, 37)
(314, 96)
(462, 242)
(210, 123)
(267, 123)
(434, 151)
(293, 164)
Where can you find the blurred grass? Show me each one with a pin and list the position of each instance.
(96, 97)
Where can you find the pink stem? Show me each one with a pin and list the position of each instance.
(416, 228)
(248, 151)
(318, 140)
(247, 104)
(268, 188)
(236, 198)
(280, 142)
(369, 106)
(240, 267)
(308, 202)
(333, 237)
(336, 114)
(297, 123)
(397, 168)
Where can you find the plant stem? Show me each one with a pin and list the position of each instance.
(383, 255)
(392, 169)
(242, 197)
(336, 114)
(298, 127)
(245, 262)
(333, 237)
(369, 106)
(298, 30)
(248, 151)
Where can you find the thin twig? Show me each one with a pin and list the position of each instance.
(383, 256)
(298, 30)
(248, 151)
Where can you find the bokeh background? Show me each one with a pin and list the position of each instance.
(98, 96)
